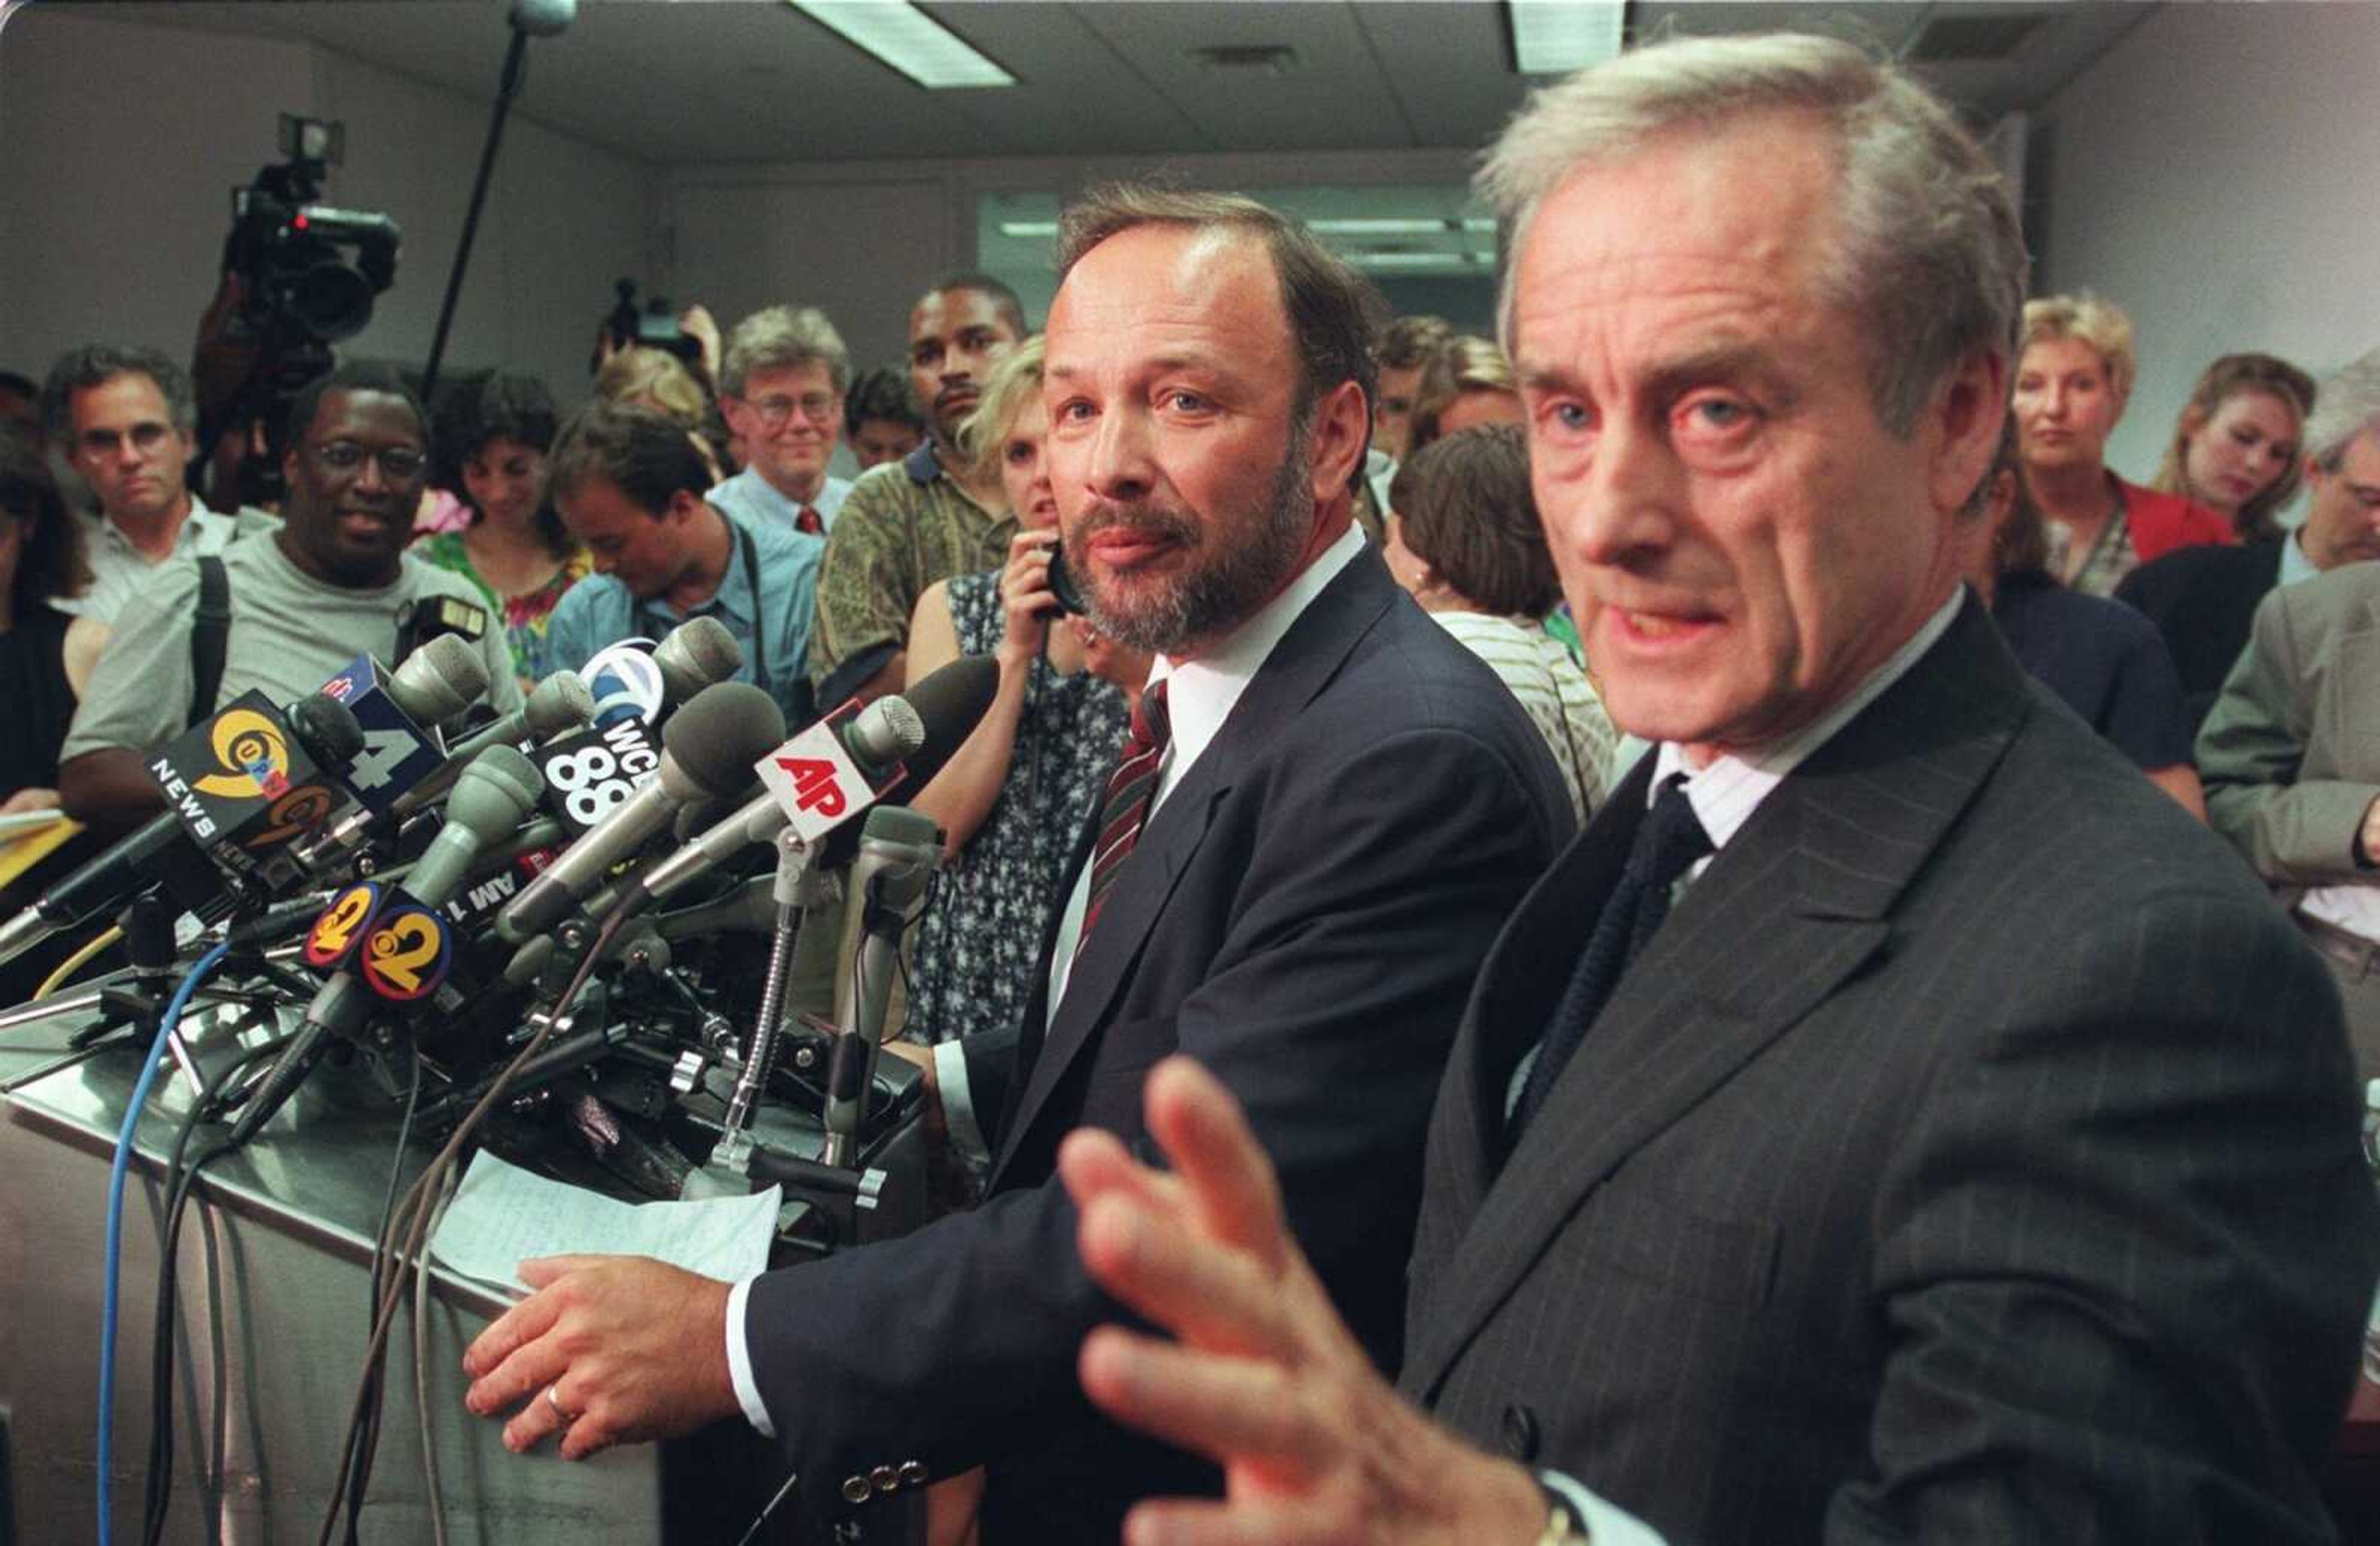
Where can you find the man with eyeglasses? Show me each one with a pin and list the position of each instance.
(126, 420)
(782, 386)
(329, 584)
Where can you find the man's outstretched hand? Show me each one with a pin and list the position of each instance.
(630, 1349)
(1265, 1378)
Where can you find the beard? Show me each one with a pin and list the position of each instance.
(1234, 562)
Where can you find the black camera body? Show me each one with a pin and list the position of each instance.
(652, 326)
(309, 272)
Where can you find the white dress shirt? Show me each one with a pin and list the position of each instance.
(1199, 697)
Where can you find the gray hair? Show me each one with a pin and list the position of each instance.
(92, 365)
(781, 337)
(2344, 406)
(1928, 247)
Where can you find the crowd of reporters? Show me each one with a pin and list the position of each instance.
(700, 487)
(697, 483)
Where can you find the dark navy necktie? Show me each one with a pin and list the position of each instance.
(1668, 842)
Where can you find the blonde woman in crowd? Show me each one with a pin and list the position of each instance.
(1017, 794)
(1466, 384)
(2075, 372)
(2236, 448)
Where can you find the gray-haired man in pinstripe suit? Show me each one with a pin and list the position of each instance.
(1960, 1146)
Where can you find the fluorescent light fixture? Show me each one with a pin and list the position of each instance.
(1028, 229)
(1478, 223)
(908, 40)
(1554, 37)
(1449, 262)
(1398, 226)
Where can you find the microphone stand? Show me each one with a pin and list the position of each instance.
(800, 885)
(508, 87)
(899, 851)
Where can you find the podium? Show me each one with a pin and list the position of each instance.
(272, 1320)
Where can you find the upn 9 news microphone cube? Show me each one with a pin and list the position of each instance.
(244, 787)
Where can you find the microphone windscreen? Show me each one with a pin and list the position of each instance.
(327, 729)
(695, 654)
(438, 680)
(496, 791)
(559, 704)
(719, 733)
(543, 19)
(950, 702)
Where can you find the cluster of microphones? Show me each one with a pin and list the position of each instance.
(618, 865)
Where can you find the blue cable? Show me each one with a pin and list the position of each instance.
(115, 1178)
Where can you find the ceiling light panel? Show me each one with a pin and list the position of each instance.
(908, 40)
(1555, 37)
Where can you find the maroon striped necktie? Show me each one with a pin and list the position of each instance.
(1131, 788)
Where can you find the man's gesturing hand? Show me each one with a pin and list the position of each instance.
(1266, 1378)
(609, 1350)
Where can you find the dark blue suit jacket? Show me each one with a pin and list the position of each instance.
(1305, 914)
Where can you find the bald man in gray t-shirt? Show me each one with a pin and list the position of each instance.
(289, 634)
(304, 599)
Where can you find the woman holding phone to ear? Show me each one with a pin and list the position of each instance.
(1013, 798)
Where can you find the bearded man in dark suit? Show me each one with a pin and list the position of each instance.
(1326, 810)
(1892, 1119)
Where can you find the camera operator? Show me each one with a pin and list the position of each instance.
(124, 419)
(329, 584)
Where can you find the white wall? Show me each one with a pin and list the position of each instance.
(2214, 176)
(121, 140)
(862, 239)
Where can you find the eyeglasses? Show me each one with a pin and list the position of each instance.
(773, 411)
(397, 464)
(145, 438)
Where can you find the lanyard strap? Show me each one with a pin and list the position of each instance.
(759, 618)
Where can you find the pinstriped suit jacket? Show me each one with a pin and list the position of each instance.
(1971, 1157)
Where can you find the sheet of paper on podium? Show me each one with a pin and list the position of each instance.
(503, 1215)
(28, 837)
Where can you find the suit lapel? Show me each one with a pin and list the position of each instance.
(2352, 684)
(1516, 991)
(1797, 902)
(1298, 668)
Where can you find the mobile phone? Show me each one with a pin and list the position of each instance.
(1064, 586)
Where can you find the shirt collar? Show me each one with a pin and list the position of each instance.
(2295, 565)
(1200, 693)
(922, 465)
(203, 530)
(734, 596)
(1725, 793)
